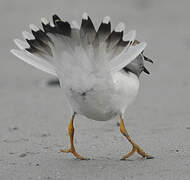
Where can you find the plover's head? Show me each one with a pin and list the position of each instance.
(137, 65)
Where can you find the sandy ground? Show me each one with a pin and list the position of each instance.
(34, 116)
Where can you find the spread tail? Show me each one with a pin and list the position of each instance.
(70, 50)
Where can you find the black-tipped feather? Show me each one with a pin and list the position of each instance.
(119, 47)
(114, 38)
(87, 30)
(48, 28)
(55, 18)
(122, 43)
(39, 34)
(38, 45)
(87, 25)
(42, 36)
(103, 31)
(63, 28)
(32, 50)
(60, 27)
(34, 42)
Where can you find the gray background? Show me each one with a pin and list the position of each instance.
(34, 116)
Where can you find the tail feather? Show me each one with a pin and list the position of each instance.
(21, 44)
(125, 42)
(104, 30)
(126, 57)
(35, 61)
(87, 30)
(61, 48)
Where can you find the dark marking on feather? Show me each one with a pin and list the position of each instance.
(35, 42)
(48, 28)
(87, 25)
(55, 18)
(87, 30)
(122, 43)
(41, 35)
(63, 28)
(39, 46)
(60, 27)
(103, 31)
(31, 50)
(114, 38)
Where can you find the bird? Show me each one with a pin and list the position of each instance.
(98, 68)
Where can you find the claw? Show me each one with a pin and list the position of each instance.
(66, 150)
(136, 148)
(74, 153)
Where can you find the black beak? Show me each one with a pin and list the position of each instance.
(145, 70)
(147, 59)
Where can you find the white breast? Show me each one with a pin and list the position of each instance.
(105, 103)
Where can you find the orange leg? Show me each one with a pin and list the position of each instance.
(136, 148)
(72, 148)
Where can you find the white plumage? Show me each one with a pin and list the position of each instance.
(88, 63)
